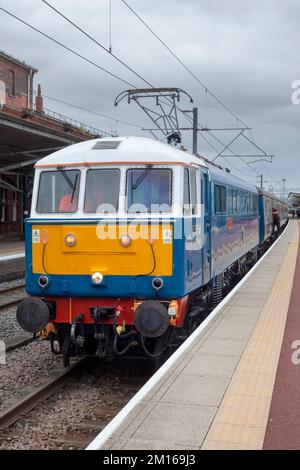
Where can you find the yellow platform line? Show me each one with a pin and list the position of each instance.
(242, 418)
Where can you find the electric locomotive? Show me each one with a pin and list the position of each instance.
(130, 243)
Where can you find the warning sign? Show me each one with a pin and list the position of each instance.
(167, 237)
(36, 237)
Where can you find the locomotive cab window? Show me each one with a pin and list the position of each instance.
(102, 191)
(220, 199)
(190, 192)
(149, 189)
(58, 191)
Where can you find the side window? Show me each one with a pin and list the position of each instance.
(247, 208)
(204, 195)
(234, 201)
(220, 199)
(186, 193)
(250, 203)
(255, 204)
(193, 189)
(244, 202)
(190, 190)
(268, 208)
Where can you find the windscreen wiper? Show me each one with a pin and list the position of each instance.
(74, 188)
(68, 180)
(142, 177)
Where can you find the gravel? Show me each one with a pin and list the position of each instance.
(26, 368)
(79, 409)
(8, 324)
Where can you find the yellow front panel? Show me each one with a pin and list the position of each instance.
(98, 248)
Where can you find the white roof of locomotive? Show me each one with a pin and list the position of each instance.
(139, 150)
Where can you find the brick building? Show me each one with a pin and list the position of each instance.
(16, 83)
(16, 93)
(28, 132)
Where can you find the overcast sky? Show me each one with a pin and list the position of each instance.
(245, 51)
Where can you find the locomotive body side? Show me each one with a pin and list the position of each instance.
(128, 242)
(234, 220)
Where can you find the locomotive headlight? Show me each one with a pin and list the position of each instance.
(43, 281)
(125, 240)
(97, 278)
(70, 239)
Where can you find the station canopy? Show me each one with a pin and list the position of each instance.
(24, 140)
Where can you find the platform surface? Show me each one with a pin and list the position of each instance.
(236, 386)
(12, 260)
(10, 248)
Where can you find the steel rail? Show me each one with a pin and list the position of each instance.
(31, 401)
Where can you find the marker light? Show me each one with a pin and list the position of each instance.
(44, 236)
(125, 240)
(97, 278)
(173, 308)
(70, 239)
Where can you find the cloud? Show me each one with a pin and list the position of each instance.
(245, 51)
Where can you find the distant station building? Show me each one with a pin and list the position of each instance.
(28, 132)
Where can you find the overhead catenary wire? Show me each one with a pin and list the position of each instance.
(207, 90)
(76, 53)
(66, 47)
(93, 112)
(223, 145)
(109, 51)
(224, 158)
(95, 41)
(200, 82)
(69, 49)
(95, 64)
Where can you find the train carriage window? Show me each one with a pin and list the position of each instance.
(247, 203)
(255, 205)
(220, 199)
(149, 190)
(234, 201)
(250, 203)
(102, 191)
(58, 191)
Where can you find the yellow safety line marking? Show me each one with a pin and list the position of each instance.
(242, 418)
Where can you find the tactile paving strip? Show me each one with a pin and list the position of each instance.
(242, 418)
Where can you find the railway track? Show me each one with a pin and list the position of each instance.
(69, 410)
(16, 342)
(12, 301)
(15, 412)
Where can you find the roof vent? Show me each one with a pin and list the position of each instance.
(106, 145)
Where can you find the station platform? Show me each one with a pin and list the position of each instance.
(234, 384)
(12, 259)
